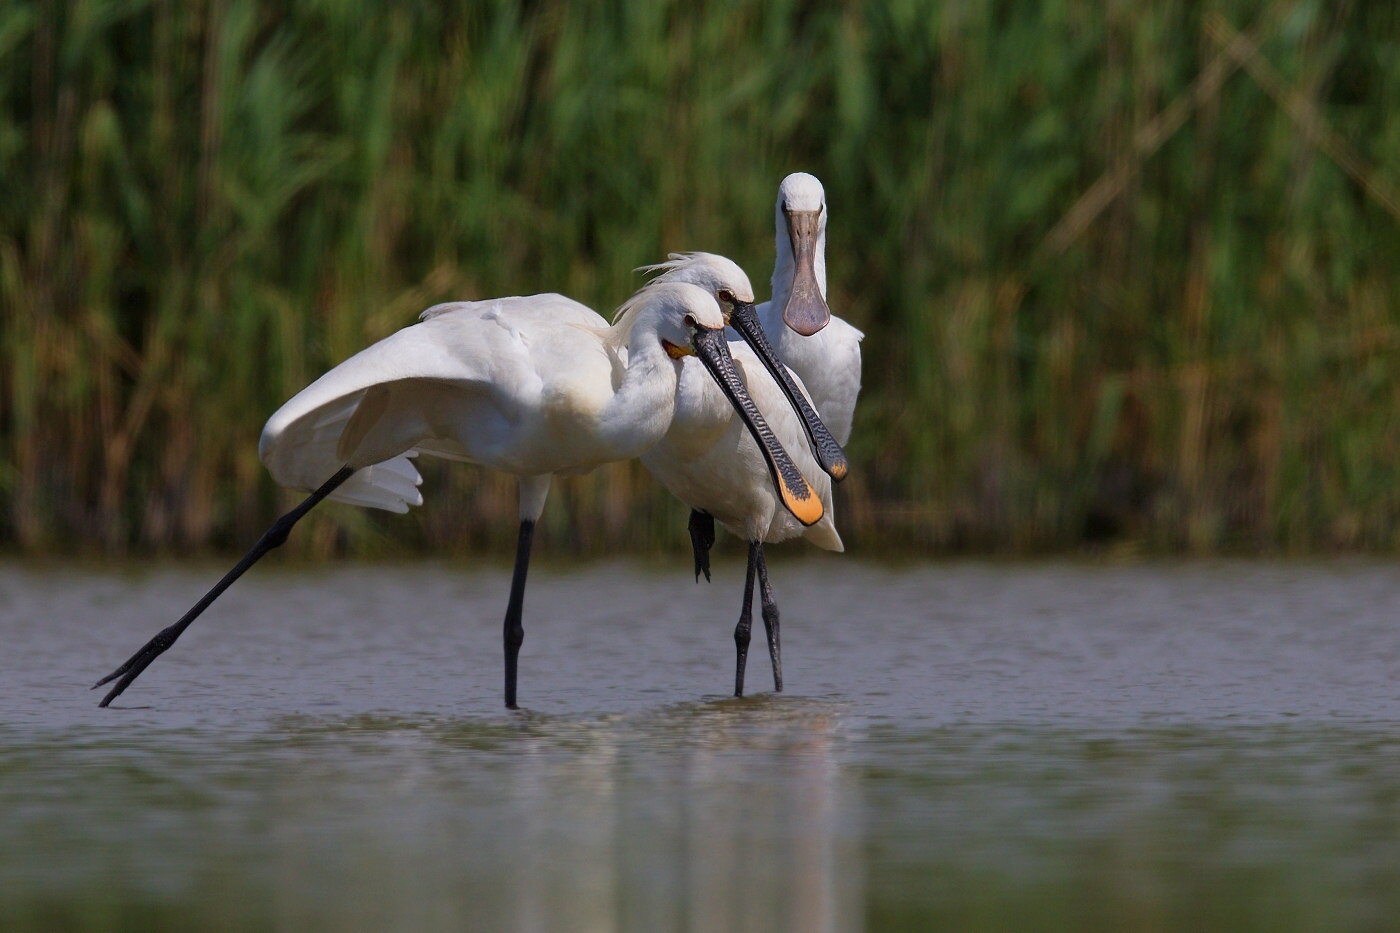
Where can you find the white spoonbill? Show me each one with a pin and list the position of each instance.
(823, 351)
(826, 358)
(707, 461)
(798, 328)
(531, 386)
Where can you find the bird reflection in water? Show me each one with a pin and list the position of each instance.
(717, 816)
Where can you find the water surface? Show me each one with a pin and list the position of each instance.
(963, 746)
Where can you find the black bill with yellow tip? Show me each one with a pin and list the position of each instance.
(829, 453)
(798, 497)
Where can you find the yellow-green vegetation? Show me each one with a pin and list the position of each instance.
(203, 205)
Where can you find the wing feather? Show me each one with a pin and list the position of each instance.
(474, 348)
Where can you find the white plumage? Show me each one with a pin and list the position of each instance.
(828, 362)
(710, 463)
(707, 459)
(530, 386)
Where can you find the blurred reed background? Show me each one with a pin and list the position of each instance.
(1121, 285)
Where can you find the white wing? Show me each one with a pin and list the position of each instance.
(465, 360)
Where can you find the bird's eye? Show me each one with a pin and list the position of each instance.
(690, 320)
(726, 295)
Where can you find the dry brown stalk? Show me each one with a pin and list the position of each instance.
(1150, 138)
(1304, 113)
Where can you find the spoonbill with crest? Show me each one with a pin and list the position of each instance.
(532, 386)
(708, 461)
(823, 351)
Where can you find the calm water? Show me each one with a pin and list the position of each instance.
(970, 747)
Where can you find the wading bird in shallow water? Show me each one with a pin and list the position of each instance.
(708, 462)
(823, 352)
(531, 386)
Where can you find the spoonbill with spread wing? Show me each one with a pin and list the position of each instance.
(531, 386)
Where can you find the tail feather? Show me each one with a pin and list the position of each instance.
(391, 485)
(823, 534)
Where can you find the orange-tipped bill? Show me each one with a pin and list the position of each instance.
(829, 453)
(798, 497)
(802, 502)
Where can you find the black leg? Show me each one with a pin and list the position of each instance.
(742, 631)
(274, 537)
(514, 631)
(702, 538)
(770, 622)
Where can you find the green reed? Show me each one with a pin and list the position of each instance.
(205, 205)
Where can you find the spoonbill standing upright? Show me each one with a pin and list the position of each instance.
(709, 463)
(822, 350)
(533, 386)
